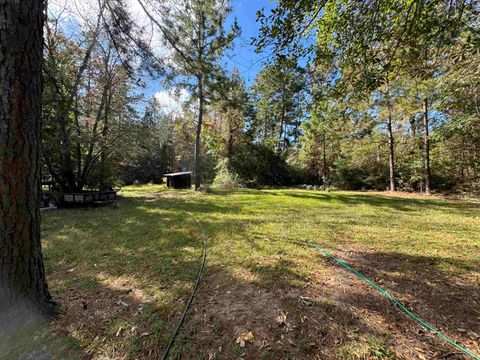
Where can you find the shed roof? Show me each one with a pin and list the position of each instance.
(179, 173)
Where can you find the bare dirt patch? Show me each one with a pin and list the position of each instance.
(335, 315)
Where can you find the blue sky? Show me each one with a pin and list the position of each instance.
(243, 56)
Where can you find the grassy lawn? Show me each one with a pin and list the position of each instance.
(123, 273)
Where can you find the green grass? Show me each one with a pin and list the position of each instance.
(145, 249)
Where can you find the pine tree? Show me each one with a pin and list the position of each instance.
(194, 30)
(23, 288)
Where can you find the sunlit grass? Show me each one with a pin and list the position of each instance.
(145, 248)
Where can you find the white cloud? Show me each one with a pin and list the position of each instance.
(172, 101)
(79, 14)
(151, 31)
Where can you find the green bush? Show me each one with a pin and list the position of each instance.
(259, 165)
(226, 178)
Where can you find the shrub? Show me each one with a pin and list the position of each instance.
(259, 165)
(226, 178)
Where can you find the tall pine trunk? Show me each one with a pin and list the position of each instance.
(281, 137)
(324, 158)
(391, 143)
(201, 101)
(426, 145)
(391, 152)
(23, 288)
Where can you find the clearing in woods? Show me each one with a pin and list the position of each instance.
(123, 274)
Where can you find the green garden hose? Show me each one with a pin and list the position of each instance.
(396, 302)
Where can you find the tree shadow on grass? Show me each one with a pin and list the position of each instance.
(343, 317)
(134, 232)
(286, 321)
(387, 201)
(37, 342)
(117, 320)
(106, 264)
(452, 293)
(281, 273)
(144, 252)
(447, 299)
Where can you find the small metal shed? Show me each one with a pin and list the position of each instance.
(179, 180)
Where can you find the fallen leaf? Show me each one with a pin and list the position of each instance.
(244, 337)
(122, 303)
(281, 319)
(264, 345)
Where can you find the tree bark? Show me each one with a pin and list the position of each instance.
(23, 288)
(229, 144)
(265, 129)
(324, 158)
(282, 122)
(103, 156)
(296, 132)
(201, 100)
(90, 158)
(66, 163)
(391, 144)
(391, 148)
(426, 143)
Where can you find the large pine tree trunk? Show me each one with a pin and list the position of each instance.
(426, 145)
(201, 101)
(22, 277)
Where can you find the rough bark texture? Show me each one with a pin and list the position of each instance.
(426, 145)
(22, 277)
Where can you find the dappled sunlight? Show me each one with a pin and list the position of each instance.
(179, 179)
(127, 285)
(146, 255)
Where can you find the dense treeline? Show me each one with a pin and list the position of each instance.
(394, 90)
(380, 95)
